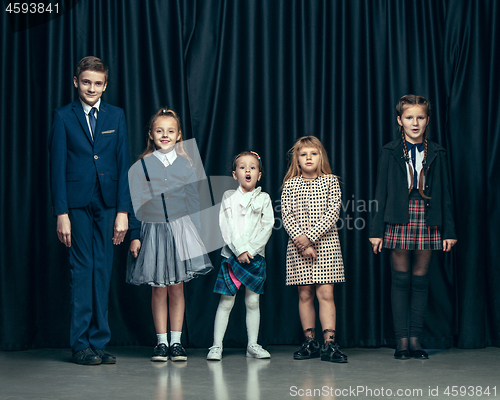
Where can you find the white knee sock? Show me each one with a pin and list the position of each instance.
(226, 304)
(253, 315)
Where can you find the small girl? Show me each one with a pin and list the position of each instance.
(165, 245)
(246, 220)
(310, 203)
(413, 217)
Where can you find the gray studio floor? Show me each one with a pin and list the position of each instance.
(370, 373)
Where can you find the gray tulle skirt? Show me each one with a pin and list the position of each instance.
(170, 253)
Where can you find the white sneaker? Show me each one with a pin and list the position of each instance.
(215, 353)
(256, 351)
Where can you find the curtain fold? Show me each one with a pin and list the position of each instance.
(255, 74)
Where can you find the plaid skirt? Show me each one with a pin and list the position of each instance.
(251, 275)
(415, 235)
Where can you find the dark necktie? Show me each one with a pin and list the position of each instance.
(413, 151)
(92, 120)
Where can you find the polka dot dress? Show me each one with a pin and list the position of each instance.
(312, 207)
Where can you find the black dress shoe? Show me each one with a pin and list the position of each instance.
(86, 357)
(106, 358)
(309, 349)
(331, 352)
(177, 352)
(402, 354)
(419, 354)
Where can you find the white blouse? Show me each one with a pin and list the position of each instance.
(166, 158)
(246, 221)
(419, 159)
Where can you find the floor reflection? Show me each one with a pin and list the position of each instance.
(169, 380)
(225, 386)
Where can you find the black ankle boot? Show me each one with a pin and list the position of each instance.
(331, 352)
(309, 349)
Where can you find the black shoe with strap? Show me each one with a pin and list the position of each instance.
(419, 354)
(309, 349)
(402, 354)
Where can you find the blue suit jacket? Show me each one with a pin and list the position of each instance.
(76, 161)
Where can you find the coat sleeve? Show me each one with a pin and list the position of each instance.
(123, 202)
(448, 228)
(136, 180)
(378, 224)
(331, 215)
(289, 222)
(58, 159)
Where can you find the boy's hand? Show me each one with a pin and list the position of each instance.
(376, 244)
(245, 257)
(301, 242)
(310, 252)
(135, 246)
(64, 229)
(121, 227)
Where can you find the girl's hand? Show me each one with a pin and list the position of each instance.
(64, 229)
(244, 257)
(301, 242)
(310, 252)
(448, 244)
(135, 246)
(376, 244)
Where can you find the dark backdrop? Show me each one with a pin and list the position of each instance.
(258, 74)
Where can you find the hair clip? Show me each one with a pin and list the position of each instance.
(255, 154)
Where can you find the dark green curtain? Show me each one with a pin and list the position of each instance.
(256, 74)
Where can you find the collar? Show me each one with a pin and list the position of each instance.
(87, 108)
(166, 158)
(418, 146)
(249, 200)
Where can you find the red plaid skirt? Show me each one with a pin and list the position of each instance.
(414, 235)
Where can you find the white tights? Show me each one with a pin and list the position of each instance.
(226, 304)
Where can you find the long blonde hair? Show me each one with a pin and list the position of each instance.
(293, 154)
(179, 147)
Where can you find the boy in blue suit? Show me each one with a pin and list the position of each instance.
(89, 163)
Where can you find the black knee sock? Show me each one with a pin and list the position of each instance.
(400, 291)
(419, 294)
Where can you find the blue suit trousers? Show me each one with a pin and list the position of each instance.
(91, 262)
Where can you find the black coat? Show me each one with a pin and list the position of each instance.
(391, 194)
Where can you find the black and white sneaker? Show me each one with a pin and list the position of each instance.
(160, 353)
(177, 352)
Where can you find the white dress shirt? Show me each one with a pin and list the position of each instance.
(86, 110)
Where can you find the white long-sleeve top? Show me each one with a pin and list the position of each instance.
(246, 221)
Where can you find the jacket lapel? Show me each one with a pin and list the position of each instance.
(399, 154)
(431, 156)
(80, 115)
